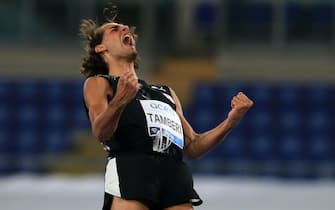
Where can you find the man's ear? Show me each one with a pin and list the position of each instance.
(99, 48)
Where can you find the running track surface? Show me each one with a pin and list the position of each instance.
(219, 193)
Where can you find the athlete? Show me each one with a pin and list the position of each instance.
(142, 126)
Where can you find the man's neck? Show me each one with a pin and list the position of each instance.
(120, 67)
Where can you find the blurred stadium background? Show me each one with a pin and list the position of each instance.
(281, 53)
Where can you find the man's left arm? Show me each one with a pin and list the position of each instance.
(196, 144)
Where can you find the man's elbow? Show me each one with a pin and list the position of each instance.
(101, 134)
(97, 133)
(190, 154)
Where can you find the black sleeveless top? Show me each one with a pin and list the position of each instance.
(134, 134)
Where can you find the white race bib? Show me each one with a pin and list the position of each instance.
(163, 124)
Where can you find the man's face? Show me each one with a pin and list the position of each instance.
(118, 40)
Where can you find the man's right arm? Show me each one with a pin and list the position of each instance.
(104, 116)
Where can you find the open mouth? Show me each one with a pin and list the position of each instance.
(128, 40)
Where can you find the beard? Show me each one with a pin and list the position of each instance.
(132, 57)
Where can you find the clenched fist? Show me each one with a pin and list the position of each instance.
(240, 104)
(127, 87)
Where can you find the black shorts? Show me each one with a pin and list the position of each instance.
(155, 180)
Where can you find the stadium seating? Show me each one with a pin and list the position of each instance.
(288, 132)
